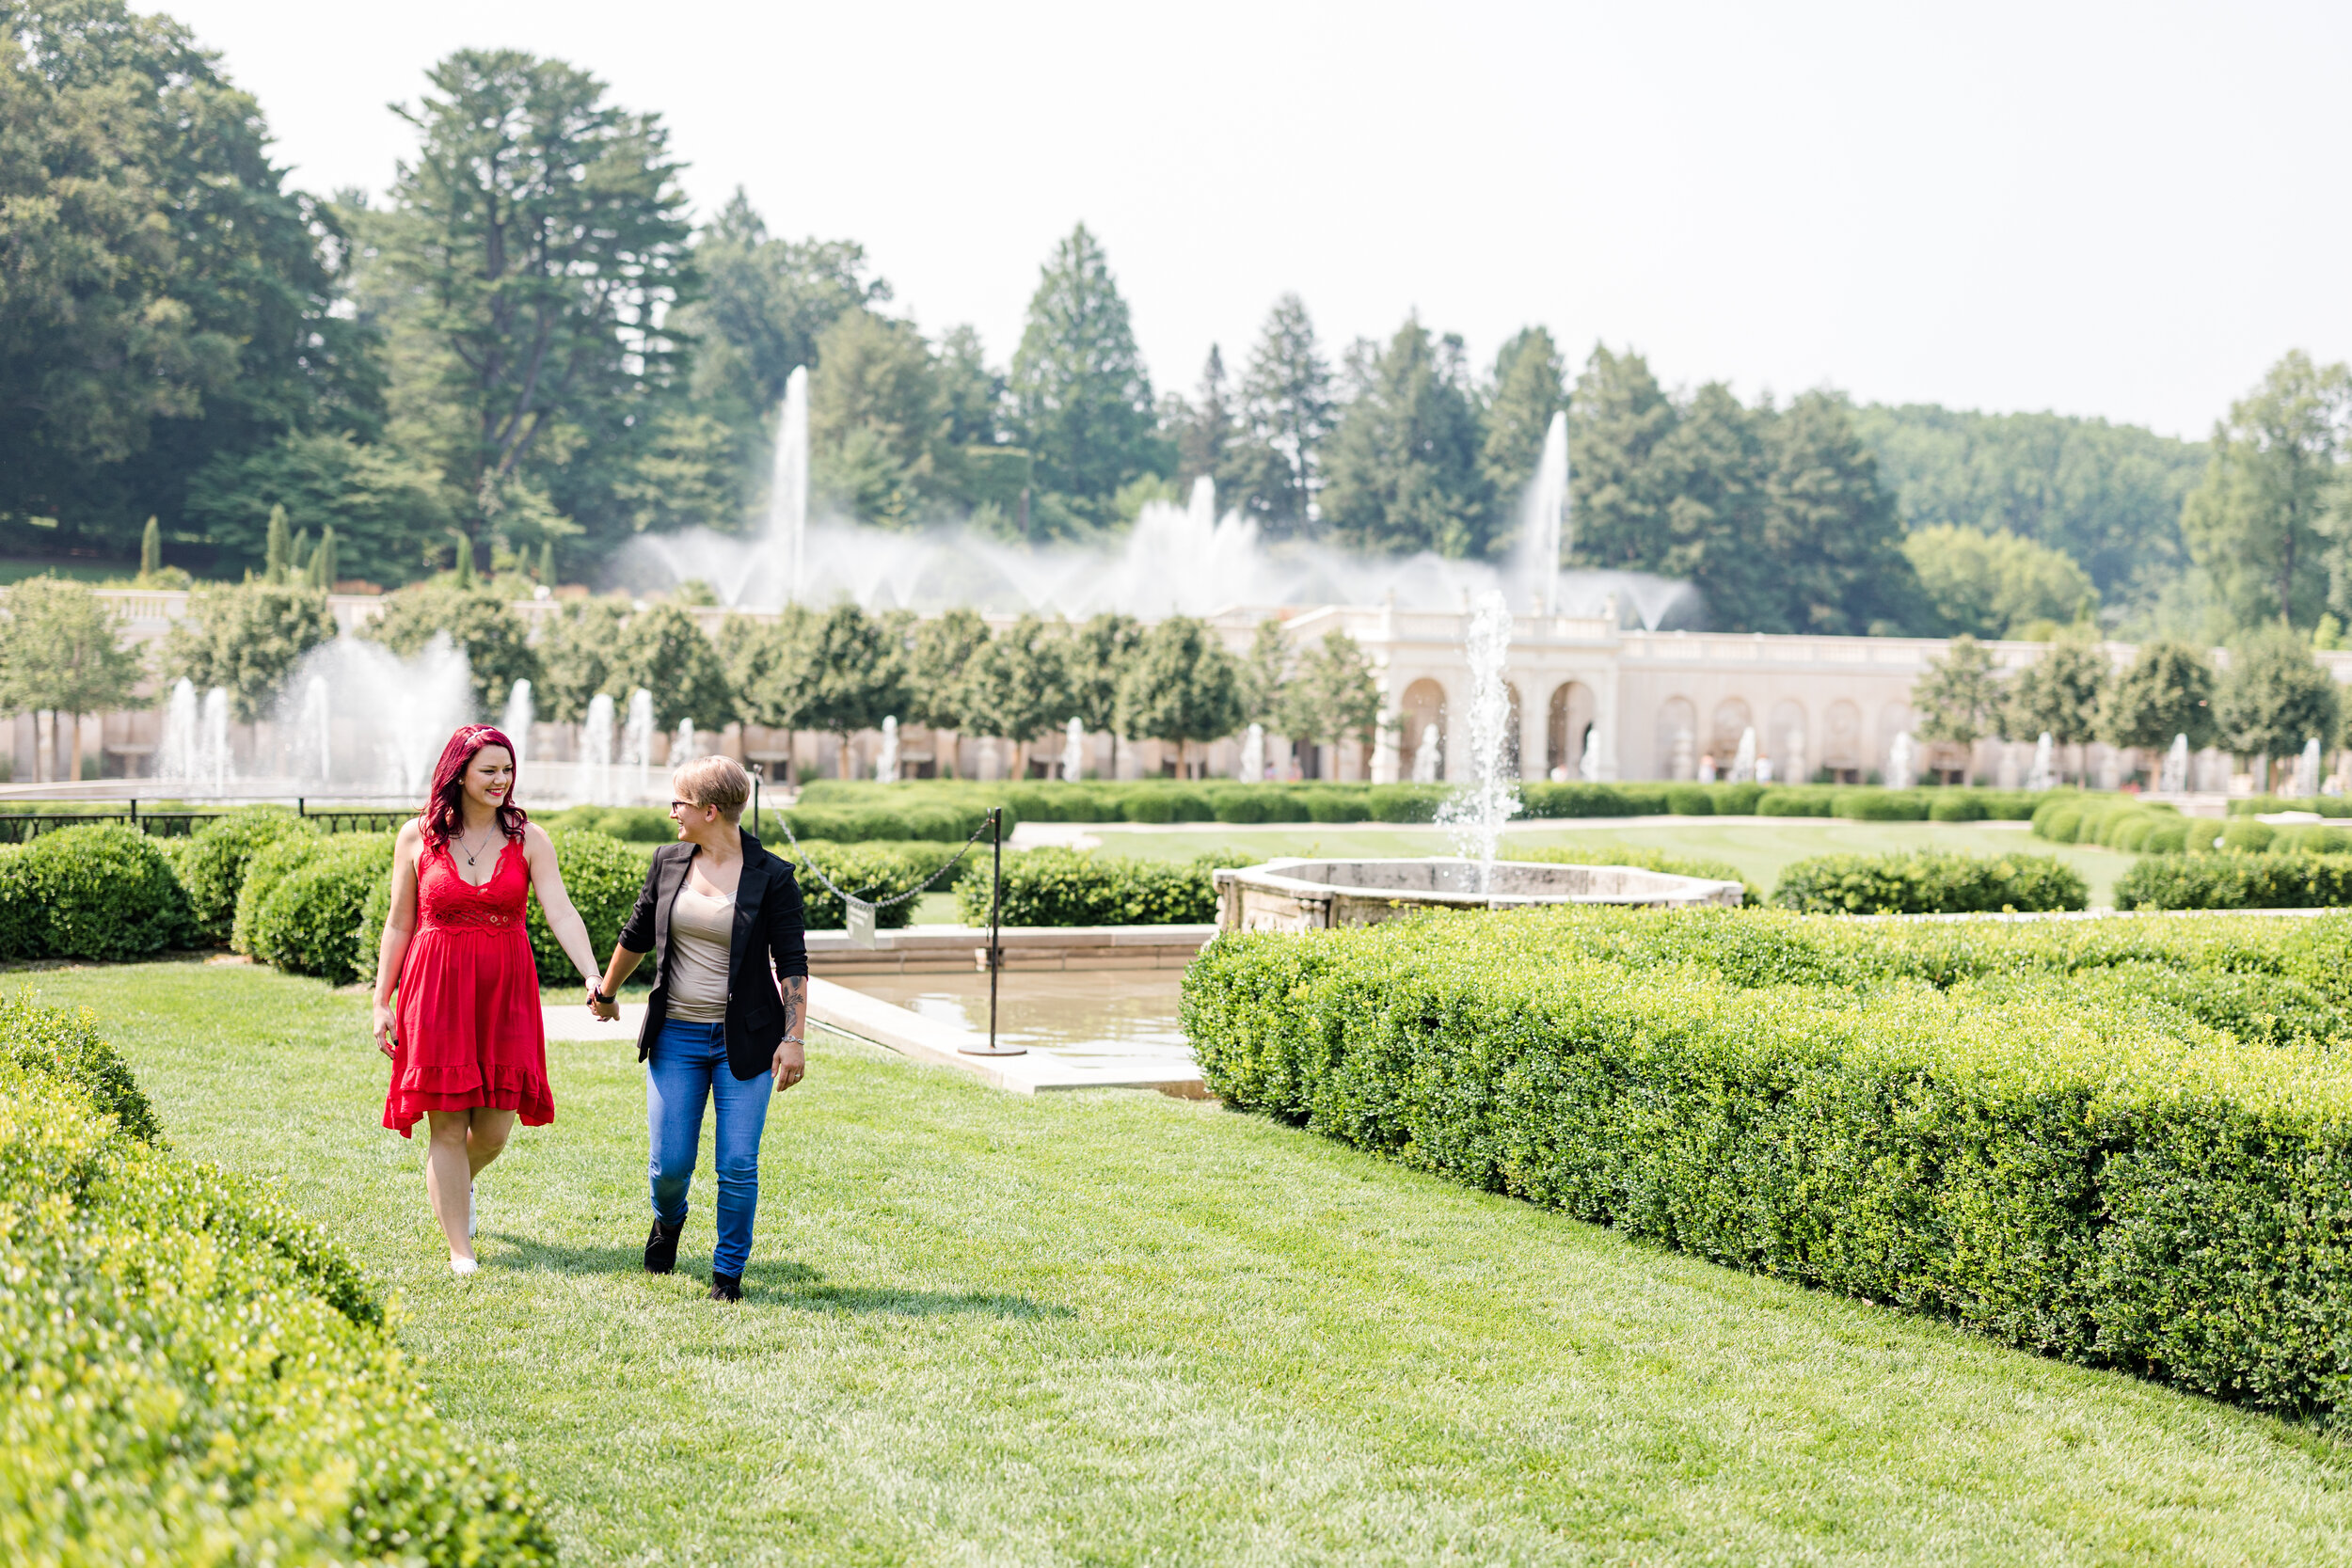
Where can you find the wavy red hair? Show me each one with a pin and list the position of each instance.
(444, 809)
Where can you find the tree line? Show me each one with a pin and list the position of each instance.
(2273, 698)
(528, 351)
(838, 671)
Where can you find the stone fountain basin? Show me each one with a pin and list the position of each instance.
(1319, 895)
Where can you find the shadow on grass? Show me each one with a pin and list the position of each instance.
(773, 1283)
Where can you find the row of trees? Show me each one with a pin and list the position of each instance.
(838, 671)
(2273, 698)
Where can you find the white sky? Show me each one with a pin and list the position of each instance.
(2120, 210)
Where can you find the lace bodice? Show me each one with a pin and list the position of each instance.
(447, 900)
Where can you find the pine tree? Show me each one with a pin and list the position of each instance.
(1204, 429)
(546, 563)
(323, 559)
(151, 549)
(1081, 396)
(1404, 469)
(1286, 411)
(463, 564)
(1619, 497)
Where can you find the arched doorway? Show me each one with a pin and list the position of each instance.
(1788, 744)
(1842, 750)
(1423, 708)
(1730, 721)
(1567, 728)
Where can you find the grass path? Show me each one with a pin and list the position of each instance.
(1116, 1328)
(1761, 850)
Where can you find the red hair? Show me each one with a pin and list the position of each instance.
(444, 808)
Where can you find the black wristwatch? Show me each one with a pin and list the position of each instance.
(596, 996)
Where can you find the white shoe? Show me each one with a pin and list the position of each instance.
(462, 1266)
(469, 1210)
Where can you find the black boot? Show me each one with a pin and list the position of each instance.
(726, 1287)
(661, 1247)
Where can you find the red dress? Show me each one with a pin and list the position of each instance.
(468, 1031)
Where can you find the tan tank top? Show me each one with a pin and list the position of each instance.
(702, 937)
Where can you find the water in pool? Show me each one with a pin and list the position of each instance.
(1093, 1013)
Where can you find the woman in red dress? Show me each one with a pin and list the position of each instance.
(467, 1051)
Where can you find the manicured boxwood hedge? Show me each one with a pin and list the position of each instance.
(1083, 887)
(2292, 880)
(194, 1374)
(2266, 805)
(2051, 1159)
(105, 892)
(891, 808)
(1927, 881)
(211, 863)
(309, 923)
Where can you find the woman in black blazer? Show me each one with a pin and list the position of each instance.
(730, 992)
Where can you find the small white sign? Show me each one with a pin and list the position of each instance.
(861, 920)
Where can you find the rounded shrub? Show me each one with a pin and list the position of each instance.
(2251, 838)
(1955, 805)
(1335, 805)
(310, 922)
(1795, 800)
(1404, 803)
(1689, 800)
(1879, 805)
(2168, 838)
(1245, 805)
(2061, 825)
(105, 892)
(602, 877)
(1737, 800)
(271, 865)
(211, 863)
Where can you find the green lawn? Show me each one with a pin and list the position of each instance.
(1117, 1328)
(1761, 850)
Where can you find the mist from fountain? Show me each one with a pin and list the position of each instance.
(636, 775)
(1743, 760)
(2307, 770)
(175, 758)
(1901, 768)
(1253, 754)
(386, 718)
(593, 774)
(886, 764)
(1477, 812)
(517, 719)
(2039, 776)
(2173, 780)
(214, 765)
(1544, 530)
(1074, 749)
(1185, 559)
(682, 744)
(314, 735)
(787, 497)
(1425, 756)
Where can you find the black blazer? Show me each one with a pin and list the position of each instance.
(768, 928)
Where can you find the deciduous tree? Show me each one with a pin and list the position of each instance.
(2059, 693)
(1182, 686)
(61, 652)
(1332, 695)
(2254, 522)
(1016, 685)
(2275, 696)
(247, 638)
(1997, 584)
(1959, 699)
(2167, 691)
(495, 640)
(664, 649)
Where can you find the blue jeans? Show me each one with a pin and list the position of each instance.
(690, 1063)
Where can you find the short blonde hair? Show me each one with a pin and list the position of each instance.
(714, 781)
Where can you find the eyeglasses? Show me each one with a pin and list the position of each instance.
(691, 805)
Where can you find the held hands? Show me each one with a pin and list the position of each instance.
(609, 1009)
(790, 1064)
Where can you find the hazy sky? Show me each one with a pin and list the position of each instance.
(2127, 211)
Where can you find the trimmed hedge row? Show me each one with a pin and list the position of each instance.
(1929, 882)
(2053, 1164)
(1082, 887)
(194, 1373)
(211, 863)
(2122, 822)
(842, 809)
(2266, 805)
(2290, 880)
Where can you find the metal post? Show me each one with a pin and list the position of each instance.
(995, 941)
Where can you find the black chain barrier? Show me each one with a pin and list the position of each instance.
(896, 898)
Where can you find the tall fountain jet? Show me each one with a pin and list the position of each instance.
(1547, 531)
(517, 719)
(788, 501)
(1477, 814)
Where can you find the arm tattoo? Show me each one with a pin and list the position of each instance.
(795, 1005)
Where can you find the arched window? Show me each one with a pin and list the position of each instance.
(1423, 709)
